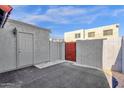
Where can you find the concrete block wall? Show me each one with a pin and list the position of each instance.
(10, 45)
(89, 52)
(103, 54)
(41, 46)
(41, 38)
(57, 51)
(7, 50)
(62, 51)
(112, 54)
(122, 54)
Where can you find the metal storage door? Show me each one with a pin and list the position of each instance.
(70, 51)
(25, 49)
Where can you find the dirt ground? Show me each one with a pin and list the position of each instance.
(120, 79)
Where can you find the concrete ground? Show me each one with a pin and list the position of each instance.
(63, 75)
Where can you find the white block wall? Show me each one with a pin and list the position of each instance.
(112, 54)
(41, 38)
(9, 45)
(57, 51)
(89, 52)
(7, 50)
(103, 54)
(122, 54)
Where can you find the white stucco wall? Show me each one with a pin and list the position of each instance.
(70, 36)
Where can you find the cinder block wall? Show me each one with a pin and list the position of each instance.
(122, 54)
(57, 51)
(103, 54)
(62, 51)
(7, 50)
(89, 52)
(112, 54)
(41, 46)
(9, 45)
(41, 37)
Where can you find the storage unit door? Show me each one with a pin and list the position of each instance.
(25, 49)
(70, 51)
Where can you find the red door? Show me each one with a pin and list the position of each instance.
(70, 51)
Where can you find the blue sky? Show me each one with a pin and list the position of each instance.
(61, 19)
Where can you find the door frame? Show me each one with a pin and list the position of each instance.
(18, 47)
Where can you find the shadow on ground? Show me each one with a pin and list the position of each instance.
(64, 75)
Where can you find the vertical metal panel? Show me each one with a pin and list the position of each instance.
(70, 51)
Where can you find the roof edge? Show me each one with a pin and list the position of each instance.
(13, 20)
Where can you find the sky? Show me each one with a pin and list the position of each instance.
(60, 19)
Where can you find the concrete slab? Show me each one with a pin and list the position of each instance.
(63, 75)
(47, 64)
